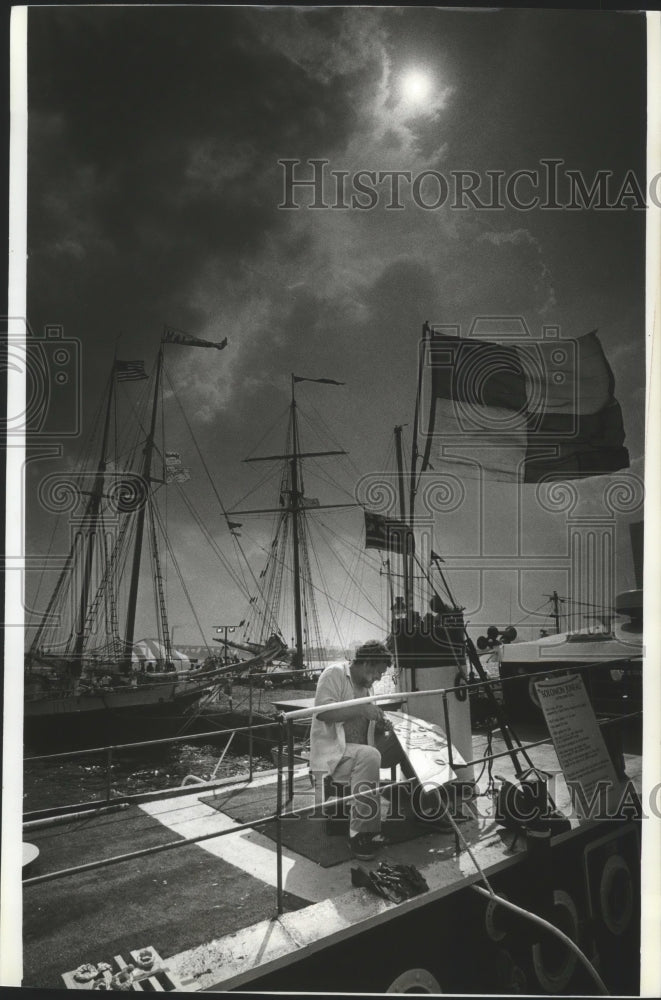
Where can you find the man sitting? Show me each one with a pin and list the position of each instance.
(342, 741)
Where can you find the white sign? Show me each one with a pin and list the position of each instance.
(581, 750)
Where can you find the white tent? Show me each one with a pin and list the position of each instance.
(151, 652)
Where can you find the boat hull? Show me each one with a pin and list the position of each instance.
(457, 942)
(115, 716)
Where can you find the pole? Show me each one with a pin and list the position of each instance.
(414, 455)
(250, 740)
(278, 821)
(295, 508)
(556, 611)
(402, 514)
(140, 524)
(91, 517)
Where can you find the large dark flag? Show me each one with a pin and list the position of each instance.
(533, 411)
(172, 336)
(130, 371)
(385, 533)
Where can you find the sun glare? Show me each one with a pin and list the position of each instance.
(416, 86)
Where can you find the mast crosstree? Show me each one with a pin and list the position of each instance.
(293, 509)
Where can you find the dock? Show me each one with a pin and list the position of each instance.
(210, 908)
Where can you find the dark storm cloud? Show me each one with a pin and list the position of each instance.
(154, 185)
(153, 144)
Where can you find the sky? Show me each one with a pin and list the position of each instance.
(154, 187)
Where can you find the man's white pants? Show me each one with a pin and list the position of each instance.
(359, 768)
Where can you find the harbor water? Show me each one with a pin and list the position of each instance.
(65, 781)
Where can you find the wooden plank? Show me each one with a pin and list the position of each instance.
(426, 749)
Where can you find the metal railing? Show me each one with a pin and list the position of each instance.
(285, 726)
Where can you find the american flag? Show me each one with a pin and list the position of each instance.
(130, 371)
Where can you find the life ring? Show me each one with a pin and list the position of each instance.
(532, 692)
(616, 894)
(461, 686)
(553, 962)
(415, 981)
(493, 926)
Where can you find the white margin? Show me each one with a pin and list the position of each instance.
(650, 981)
(11, 910)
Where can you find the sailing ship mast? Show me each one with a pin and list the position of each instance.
(129, 634)
(294, 509)
(90, 541)
(92, 515)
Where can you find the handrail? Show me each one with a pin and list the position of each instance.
(467, 686)
(185, 842)
(188, 737)
(284, 722)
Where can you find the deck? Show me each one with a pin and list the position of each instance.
(210, 908)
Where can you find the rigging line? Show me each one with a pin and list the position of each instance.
(533, 613)
(327, 430)
(253, 489)
(41, 575)
(323, 580)
(164, 476)
(213, 543)
(346, 589)
(315, 469)
(206, 469)
(354, 581)
(315, 587)
(586, 604)
(181, 579)
(367, 558)
(269, 430)
(427, 576)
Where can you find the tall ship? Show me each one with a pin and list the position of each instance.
(526, 880)
(88, 678)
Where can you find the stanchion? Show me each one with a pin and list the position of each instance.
(290, 763)
(250, 745)
(448, 736)
(108, 773)
(278, 821)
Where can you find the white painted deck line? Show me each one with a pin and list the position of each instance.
(248, 850)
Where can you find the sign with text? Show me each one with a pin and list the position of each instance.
(581, 750)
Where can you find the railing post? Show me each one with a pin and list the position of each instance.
(108, 773)
(290, 762)
(278, 821)
(250, 743)
(448, 736)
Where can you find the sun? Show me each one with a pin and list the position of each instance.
(416, 86)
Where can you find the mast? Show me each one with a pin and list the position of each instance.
(402, 513)
(295, 509)
(92, 515)
(140, 524)
(556, 611)
(408, 535)
(297, 662)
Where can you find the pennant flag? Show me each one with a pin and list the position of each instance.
(326, 381)
(174, 470)
(530, 412)
(130, 371)
(171, 336)
(384, 533)
(435, 556)
(234, 525)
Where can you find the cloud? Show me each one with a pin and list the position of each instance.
(543, 283)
